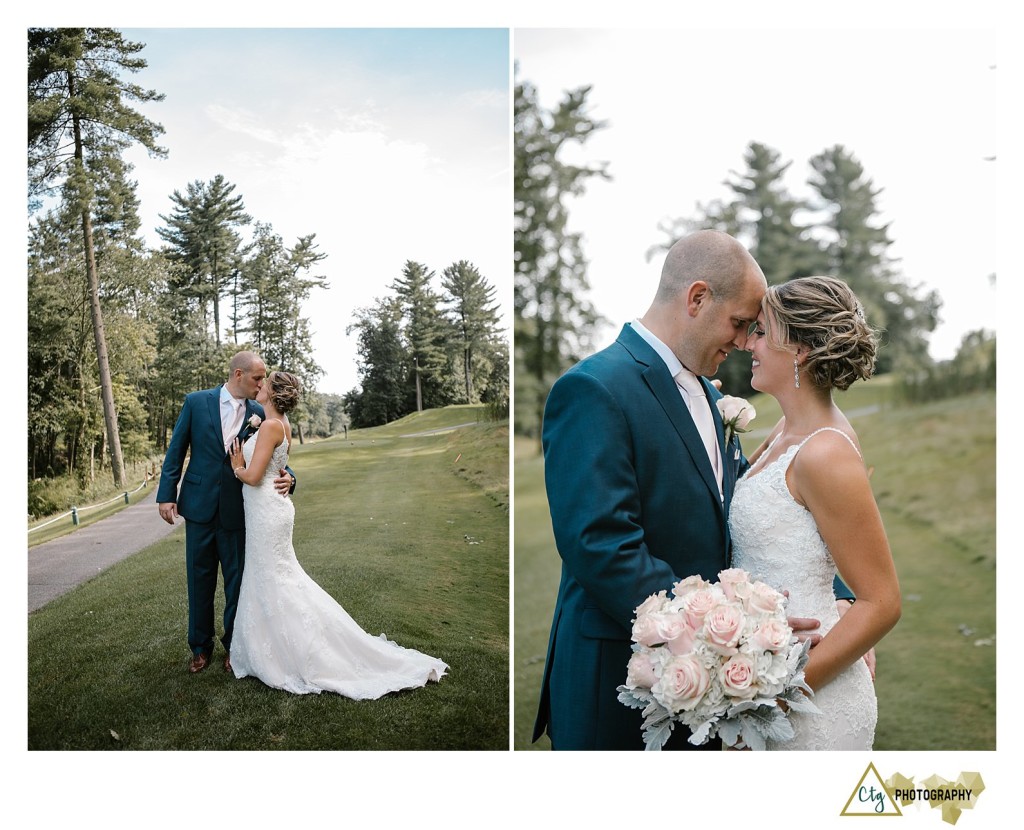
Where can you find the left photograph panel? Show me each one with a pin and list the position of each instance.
(269, 304)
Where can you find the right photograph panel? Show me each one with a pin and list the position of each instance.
(754, 390)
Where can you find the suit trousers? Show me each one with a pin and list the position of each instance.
(208, 545)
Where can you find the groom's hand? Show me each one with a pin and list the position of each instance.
(283, 483)
(805, 628)
(168, 511)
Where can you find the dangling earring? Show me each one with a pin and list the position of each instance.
(796, 373)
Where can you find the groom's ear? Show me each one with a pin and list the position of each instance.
(697, 295)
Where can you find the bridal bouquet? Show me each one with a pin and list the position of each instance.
(718, 658)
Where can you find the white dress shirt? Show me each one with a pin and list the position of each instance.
(232, 410)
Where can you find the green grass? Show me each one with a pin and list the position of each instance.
(934, 478)
(407, 542)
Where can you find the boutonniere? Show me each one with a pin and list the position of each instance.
(737, 414)
(254, 421)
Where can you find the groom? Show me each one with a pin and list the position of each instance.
(639, 481)
(211, 497)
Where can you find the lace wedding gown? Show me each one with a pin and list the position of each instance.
(776, 540)
(289, 632)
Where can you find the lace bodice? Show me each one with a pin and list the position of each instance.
(278, 460)
(776, 540)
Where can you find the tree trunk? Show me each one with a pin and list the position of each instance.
(214, 281)
(106, 383)
(467, 362)
(419, 391)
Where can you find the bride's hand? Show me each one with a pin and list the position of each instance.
(236, 454)
(805, 628)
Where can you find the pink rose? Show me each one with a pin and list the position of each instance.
(700, 602)
(763, 599)
(255, 421)
(687, 586)
(645, 631)
(723, 626)
(652, 603)
(678, 635)
(640, 671)
(682, 684)
(738, 677)
(731, 579)
(772, 635)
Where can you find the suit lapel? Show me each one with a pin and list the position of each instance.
(664, 388)
(213, 407)
(729, 463)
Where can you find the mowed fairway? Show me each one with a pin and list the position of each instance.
(409, 541)
(933, 474)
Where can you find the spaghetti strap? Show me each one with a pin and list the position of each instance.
(830, 429)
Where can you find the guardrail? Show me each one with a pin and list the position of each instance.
(74, 512)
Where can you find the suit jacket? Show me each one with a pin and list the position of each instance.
(209, 489)
(635, 507)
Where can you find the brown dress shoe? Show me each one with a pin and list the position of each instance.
(227, 663)
(198, 663)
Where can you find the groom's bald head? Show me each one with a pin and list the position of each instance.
(710, 256)
(244, 361)
(710, 292)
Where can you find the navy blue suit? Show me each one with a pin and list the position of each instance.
(210, 501)
(635, 507)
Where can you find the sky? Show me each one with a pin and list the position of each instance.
(917, 109)
(390, 145)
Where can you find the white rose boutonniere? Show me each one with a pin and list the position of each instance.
(254, 421)
(737, 413)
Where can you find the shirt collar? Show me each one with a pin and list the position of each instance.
(664, 352)
(227, 397)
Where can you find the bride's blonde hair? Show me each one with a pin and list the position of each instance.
(284, 391)
(823, 315)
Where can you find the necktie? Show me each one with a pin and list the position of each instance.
(231, 423)
(700, 411)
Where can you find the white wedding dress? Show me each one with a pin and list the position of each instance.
(776, 540)
(289, 632)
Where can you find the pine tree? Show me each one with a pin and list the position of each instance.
(553, 319)
(202, 235)
(474, 313)
(425, 333)
(78, 116)
(273, 283)
(383, 365)
(856, 246)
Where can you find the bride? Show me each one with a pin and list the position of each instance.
(289, 632)
(805, 508)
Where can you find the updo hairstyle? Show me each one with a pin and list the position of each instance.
(284, 391)
(823, 315)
